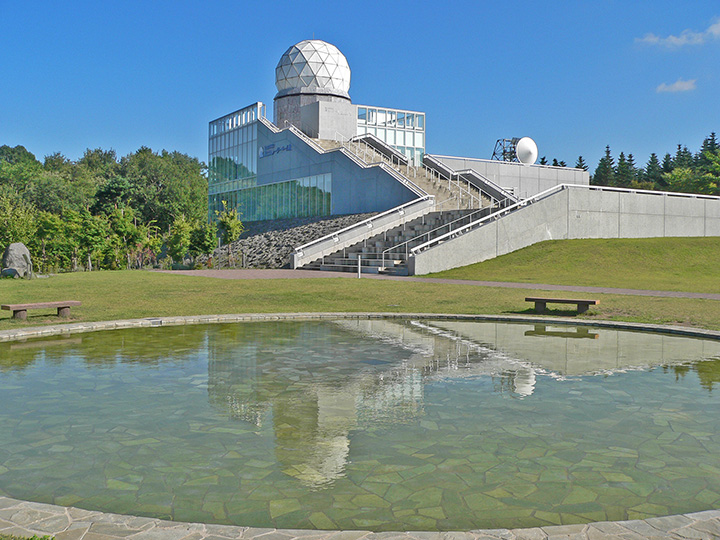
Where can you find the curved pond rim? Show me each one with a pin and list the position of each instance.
(25, 518)
(149, 322)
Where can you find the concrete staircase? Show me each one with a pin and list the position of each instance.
(388, 252)
(450, 193)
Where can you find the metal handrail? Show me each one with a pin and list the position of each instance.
(406, 243)
(360, 230)
(417, 190)
(543, 195)
(494, 216)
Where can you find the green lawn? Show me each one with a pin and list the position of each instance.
(133, 294)
(671, 264)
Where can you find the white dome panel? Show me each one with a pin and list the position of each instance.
(313, 64)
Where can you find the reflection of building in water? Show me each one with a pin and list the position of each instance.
(317, 398)
(556, 348)
(300, 379)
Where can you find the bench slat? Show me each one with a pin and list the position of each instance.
(560, 300)
(41, 305)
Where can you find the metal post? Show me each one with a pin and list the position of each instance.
(359, 266)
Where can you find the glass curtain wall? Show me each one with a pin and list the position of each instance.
(300, 197)
(232, 152)
(401, 129)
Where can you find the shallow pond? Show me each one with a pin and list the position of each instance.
(364, 424)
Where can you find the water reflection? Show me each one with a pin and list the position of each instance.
(202, 422)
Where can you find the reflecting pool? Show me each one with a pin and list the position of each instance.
(364, 424)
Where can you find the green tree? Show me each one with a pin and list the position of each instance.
(51, 243)
(681, 179)
(203, 238)
(17, 218)
(229, 224)
(653, 172)
(93, 238)
(543, 161)
(667, 163)
(704, 159)
(683, 158)
(165, 185)
(580, 164)
(179, 238)
(128, 235)
(605, 171)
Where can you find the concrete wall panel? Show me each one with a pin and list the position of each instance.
(475, 246)
(684, 206)
(641, 225)
(712, 208)
(593, 213)
(593, 224)
(684, 226)
(589, 200)
(712, 226)
(525, 180)
(642, 203)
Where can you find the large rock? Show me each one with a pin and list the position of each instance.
(17, 257)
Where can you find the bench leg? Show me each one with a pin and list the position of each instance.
(582, 308)
(540, 307)
(20, 314)
(64, 311)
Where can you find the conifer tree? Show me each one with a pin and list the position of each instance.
(667, 163)
(624, 173)
(709, 148)
(580, 164)
(683, 158)
(653, 171)
(605, 171)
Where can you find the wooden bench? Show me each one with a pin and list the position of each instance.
(19, 311)
(541, 303)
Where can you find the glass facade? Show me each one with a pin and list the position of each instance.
(300, 197)
(233, 154)
(401, 129)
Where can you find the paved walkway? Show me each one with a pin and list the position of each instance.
(298, 274)
(19, 518)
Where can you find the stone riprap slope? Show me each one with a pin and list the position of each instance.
(268, 244)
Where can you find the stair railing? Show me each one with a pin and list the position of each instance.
(360, 231)
(429, 234)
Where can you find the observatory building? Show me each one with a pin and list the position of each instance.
(324, 155)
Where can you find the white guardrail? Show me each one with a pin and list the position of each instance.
(360, 231)
(547, 193)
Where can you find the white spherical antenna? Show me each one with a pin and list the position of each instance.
(526, 151)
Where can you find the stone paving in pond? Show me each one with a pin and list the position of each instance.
(20, 518)
(67, 523)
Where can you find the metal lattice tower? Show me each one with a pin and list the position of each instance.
(505, 149)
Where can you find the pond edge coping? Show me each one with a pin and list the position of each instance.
(25, 518)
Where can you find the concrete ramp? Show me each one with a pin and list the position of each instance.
(569, 212)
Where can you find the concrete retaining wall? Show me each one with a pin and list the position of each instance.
(577, 212)
(524, 180)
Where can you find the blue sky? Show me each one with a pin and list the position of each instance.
(640, 76)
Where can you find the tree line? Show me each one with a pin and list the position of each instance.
(106, 212)
(682, 172)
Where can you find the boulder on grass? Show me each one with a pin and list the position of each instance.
(17, 257)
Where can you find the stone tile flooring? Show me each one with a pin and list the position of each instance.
(20, 518)
(23, 518)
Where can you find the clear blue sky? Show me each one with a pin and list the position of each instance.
(640, 76)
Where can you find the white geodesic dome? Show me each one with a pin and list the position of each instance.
(313, 64)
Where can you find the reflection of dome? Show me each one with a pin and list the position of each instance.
(313, 65)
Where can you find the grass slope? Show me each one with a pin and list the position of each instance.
(670, 264)
(134, 294)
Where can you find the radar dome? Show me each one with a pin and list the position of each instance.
(313, 65)
(526, 151)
